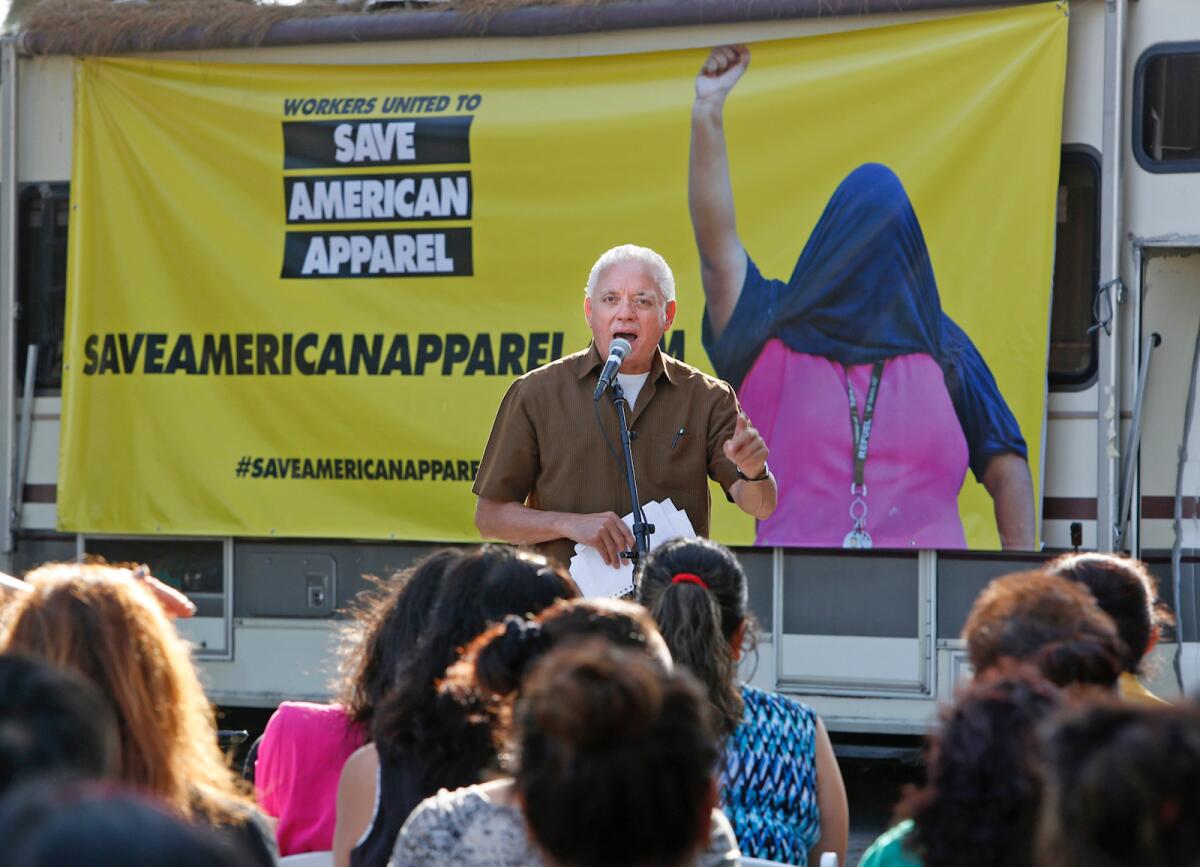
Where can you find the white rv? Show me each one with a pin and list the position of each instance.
(876, 649)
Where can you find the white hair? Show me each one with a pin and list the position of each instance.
(656, 267)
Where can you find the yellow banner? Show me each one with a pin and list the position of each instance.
(296, 294)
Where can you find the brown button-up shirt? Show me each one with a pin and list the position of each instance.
(547, 450)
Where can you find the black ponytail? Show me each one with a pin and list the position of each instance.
(501, 663)
(696, 592)
(487, 679)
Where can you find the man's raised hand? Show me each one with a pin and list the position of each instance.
(721, 71)
(746, 448)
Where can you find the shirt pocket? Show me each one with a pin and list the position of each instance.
(675, 462)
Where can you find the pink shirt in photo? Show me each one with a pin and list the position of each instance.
(916, 462)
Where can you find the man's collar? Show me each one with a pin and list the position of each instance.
(587, 362)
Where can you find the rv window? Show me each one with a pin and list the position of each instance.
(1166, 134)
(1076, 271)
(759, 566)
(195, 566)
(42, 279)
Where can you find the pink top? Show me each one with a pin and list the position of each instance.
(296, 775)
(916, 461)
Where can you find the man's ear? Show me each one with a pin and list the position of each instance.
(587, 310)
(1155, 635)
(670, 315)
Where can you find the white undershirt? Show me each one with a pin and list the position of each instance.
(631, 384)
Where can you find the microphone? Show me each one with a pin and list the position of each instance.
(617, 350)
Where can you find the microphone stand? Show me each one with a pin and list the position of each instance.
(641, 530)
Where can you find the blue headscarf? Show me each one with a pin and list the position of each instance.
(862, 291)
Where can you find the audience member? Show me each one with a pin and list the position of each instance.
(1128, 593)
(488, 675)
(1047, 621)
(53, 724)
(614, 756)
(780, 782)
(487, 679)
(979, 804)
(104, 624)
(610, 749)
(101, 825)
(305, 745)
(423, 740)
(1123, 788)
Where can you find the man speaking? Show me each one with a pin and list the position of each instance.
(552, 473)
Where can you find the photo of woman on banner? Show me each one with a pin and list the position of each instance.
(872, 401)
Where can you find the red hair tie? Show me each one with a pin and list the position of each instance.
(689, 578)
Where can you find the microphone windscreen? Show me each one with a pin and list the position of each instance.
(619, 347)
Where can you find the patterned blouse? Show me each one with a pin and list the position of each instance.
(466, 828)
(769, 779)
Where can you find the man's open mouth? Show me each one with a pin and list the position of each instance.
(628, 335)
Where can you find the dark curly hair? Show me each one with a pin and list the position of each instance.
(49, 823)
(1049, 622)
(1122, 788)
(489, 675)
(52, 723)
(615, 757)
(979, 805)
(391, 617)
(700, 622)
(1125, 591)
(435, 738)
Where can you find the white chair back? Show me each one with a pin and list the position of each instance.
(307, 859)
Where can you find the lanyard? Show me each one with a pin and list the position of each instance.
(862, 429)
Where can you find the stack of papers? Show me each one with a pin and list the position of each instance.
(596, 578)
